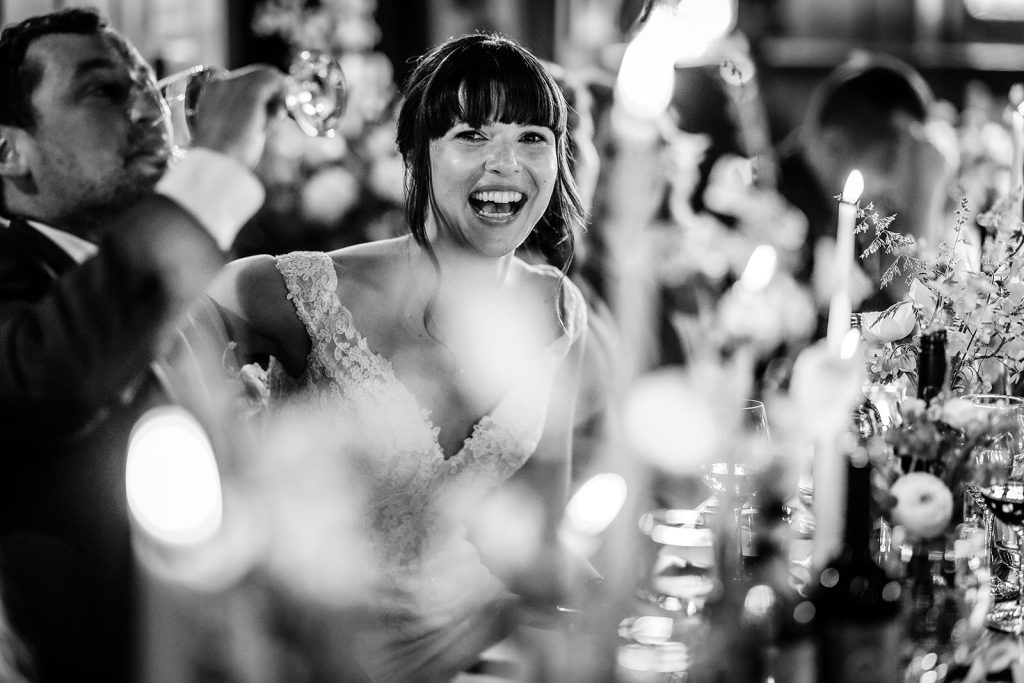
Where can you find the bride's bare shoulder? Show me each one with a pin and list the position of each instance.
(253, 298)
(370, 265)
(538, 280)
(249, 282)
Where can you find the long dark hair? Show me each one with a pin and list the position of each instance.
(475, 79)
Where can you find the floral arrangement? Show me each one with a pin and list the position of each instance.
(970, 286)
(980, 307)
(324, 193)
(931, 450)
(728, 269)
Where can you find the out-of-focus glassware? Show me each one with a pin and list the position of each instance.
(740, 476)
(1006, 502)
(653, 650)
(316, 96)
(680, 562)
(998, 460)
(737, 481)
(887, 399)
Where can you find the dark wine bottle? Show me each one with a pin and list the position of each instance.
(856, 602)
(931, 365)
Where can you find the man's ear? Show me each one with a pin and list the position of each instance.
(12, 147)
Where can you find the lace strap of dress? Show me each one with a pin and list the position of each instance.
(312, 288)
(573, 311)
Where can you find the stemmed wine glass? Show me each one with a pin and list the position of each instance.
(756, 439)
(998, 458)
(1006, 502)
(316, 95)
(736, 481)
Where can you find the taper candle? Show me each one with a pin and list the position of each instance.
(1017, 160)
(841, 306)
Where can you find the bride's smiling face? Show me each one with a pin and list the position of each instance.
(491, 184)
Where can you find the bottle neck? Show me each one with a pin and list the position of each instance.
(931, 366)
(858, 524)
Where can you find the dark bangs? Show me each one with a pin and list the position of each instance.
(476, 79)
(492, 81)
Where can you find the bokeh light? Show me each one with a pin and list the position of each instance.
(596, 503)
(172, 481)
(646, 77)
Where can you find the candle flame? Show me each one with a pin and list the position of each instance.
(854, 186)
(760, 268)
(848, 347)
(1020, 108)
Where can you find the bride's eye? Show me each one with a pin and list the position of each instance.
(536, 137)
(469, 134)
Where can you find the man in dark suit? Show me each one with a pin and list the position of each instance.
(102, 248)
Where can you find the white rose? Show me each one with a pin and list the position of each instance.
(924, 505)
(880, 330)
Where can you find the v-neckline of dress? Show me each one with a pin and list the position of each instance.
(387, 372)
(425, 414)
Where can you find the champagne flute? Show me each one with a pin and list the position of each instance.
(315, 98)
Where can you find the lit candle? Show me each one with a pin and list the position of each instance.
(824, 388)
(760, 268)
(1017, 164)
(840, 309)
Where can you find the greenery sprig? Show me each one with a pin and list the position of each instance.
(981, 308)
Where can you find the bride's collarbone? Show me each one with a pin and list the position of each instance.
(443, 385)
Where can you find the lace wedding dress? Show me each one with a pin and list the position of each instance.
(436, 596)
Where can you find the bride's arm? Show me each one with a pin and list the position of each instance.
(546, 475)
(259, 318)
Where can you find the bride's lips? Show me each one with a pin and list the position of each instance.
(497, 204)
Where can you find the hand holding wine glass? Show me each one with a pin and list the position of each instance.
(229, 111)
(233, 110)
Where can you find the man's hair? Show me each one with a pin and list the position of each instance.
(18, 78)
(862, 95)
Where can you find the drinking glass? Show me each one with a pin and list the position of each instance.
(680, 562)
(756, 440)
(998, 459)
(1006, 503)
(735, 483)
(315, 98)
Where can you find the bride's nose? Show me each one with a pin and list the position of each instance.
(501, 158)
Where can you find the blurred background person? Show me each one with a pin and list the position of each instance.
(872, 113)
(100, 252)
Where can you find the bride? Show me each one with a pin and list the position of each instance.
(452, 364)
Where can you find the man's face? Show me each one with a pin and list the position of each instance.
(100, 139)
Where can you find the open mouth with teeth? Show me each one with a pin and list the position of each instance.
(497, 203)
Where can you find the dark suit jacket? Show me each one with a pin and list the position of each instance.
(75, 349)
